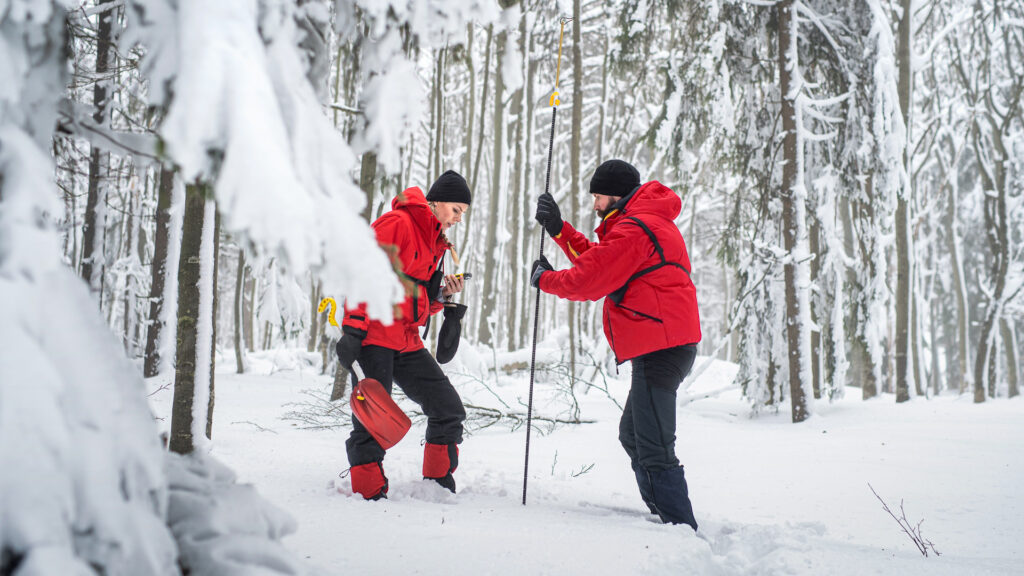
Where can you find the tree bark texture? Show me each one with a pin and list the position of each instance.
(165, 190)
(904, 282)
(213, 322)
(791, 226)
(489, 297)
(92, 228)
(189, 278)
(239, 312)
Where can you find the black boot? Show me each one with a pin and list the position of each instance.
(448, 481)
(671, 497)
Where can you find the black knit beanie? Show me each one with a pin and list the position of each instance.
(615, 178)
(450, 187)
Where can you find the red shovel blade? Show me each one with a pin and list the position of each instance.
(377, 411)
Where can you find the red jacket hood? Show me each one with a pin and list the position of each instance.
(651, 198)
(415, 204)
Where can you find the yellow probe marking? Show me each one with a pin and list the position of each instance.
(334, 307)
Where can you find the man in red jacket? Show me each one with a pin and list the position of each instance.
(413, 234)
(640, 266)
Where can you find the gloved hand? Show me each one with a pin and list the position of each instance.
(548, 214)
(451, 331)
(539, 268)
(349, 346)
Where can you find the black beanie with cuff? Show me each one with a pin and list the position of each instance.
(450, 187)
(615, 178)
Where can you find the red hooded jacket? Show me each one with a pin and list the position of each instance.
(411, 234)
(658, 309)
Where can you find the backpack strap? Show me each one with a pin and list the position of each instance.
(619, 294)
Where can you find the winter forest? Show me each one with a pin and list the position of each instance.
(182, 182)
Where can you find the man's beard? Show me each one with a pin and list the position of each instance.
(603, 213)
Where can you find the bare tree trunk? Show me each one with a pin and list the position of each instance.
(239, 312)
(213, 320)
(903, 269)
(958, 372)
(574, 168)
(994, 185)
(790, 211)
(483, 110)
(915, 340)
(524, 301)
(468, 137)
(249, 310)
(489, 296)
(1009, 337)
(439, 114)
(129, 239)
(92, 228)
(189, 288)
(159, 272)
(816, 357)
(314, 302)
(519, 201)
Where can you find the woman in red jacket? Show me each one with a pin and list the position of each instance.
(413, 233)
(640, 266)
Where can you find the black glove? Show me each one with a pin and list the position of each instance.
(548, 214)
(349, 346)
(451, 330)
(539, 267)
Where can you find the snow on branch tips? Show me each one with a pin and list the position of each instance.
(241, 113)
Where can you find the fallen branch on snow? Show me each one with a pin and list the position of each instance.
(914, 532)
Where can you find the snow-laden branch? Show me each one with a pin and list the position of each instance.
(819, 23)
(76, 119)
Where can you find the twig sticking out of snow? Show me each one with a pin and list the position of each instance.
(914, 532)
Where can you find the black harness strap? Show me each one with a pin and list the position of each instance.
(619, 294)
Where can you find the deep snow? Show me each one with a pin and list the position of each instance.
(771, 497)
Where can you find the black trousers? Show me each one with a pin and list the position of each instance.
(647, 429)
(420, 377)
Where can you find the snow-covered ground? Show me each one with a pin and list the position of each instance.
(771, 497)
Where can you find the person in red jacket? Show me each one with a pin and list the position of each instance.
(640, 266)
(413, 233)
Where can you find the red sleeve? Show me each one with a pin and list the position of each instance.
(602, 268)
(356, 317)
(435, 306)
(572, 241)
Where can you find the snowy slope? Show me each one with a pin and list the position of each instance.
(771, 497)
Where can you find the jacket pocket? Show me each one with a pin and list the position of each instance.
(639, 313)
